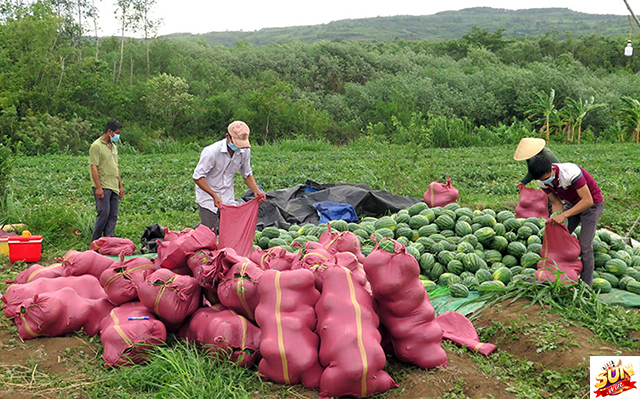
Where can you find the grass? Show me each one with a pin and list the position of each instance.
(53, 195)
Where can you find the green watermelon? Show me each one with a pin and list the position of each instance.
(511, 236)
(436, 248)
(499, 229)
(271, 232)
(385, 222)
(428, 284)
(465, 247)
(455, 266)
(524, 232)
(485, 220)
(471, 262)
(446, 277)
(277, 242)
(417, 208)
(447, 233)
(491, 286)
(484, 275)
(612, 279)
(528, 271)
(516, 270)
(436, 271)
(413, 251)
(604, 236)
(616, 267)
(403, 240)
(429, 214)
(516, 249)
(471, 283)
(503, 274)
(622, 284)
(633, 286)
(366, 250)
(445, 257)
(484, 235)
(464, 212)
(417, 246)
(427, 261)
(509, 261)
(534, 227)
(403, 232)
(602, 285)
(529, 259)
(471, 239)
(504, 215)
(463, 228)
(263, 242)
(418, 221)
(536, 248)
(444, 222)
(489, 211)
(428, 230)
(492, 256)
(534, 240)
(512, 224)
(459, 290)
(401, 217)
(340, 225)
(385, 232)
(499, 243)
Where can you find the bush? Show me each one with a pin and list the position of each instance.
(5, 172)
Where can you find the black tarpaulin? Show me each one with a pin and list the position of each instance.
(294, 205)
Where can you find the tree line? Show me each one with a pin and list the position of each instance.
(59, 83)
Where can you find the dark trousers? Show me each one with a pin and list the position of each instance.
(589, 220)
(209, 218)
(107, 209)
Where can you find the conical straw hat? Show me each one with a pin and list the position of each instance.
(528, 148)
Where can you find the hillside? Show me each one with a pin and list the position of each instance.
(441, 26)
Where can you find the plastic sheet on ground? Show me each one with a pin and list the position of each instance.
(295, 205)
(465, 306)
(622, 298)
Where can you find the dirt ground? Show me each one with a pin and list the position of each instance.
(57, 356)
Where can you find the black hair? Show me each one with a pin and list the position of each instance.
(112, 124)
(538, 166)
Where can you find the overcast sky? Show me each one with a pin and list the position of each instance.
(202, 16)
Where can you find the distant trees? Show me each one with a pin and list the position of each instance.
(480, 89)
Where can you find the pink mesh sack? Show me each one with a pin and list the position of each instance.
(287, 318)
(312, 254)
(341, 241)
(121, 280)
(238, 289)
(457, 328)
(560, 251)
(85, 286)
(60, 313)
(128, 333)
(203, 265)
(404, 308)
(440, 194)
(532, 203)
(76, 263)
(113, 246)
(173, 254)
(36, 271)
(170, 296)
(276, 258)
(350, 350)
(223, 333)
(238, 226)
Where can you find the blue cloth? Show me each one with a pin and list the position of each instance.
(329, 211)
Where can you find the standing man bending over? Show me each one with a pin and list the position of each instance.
(216, 169)
(105, 179)
(583, 202)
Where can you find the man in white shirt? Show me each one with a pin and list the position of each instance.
(216, 169)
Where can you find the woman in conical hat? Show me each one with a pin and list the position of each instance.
(528, 148)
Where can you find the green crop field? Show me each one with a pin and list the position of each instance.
(52, 196)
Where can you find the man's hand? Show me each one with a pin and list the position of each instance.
(99, 193)
(261, 196)
(558, 219)
(121, 195)
(217, 201)
(520, 185)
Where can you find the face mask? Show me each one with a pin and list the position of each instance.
(232, 146)
(115, 138)
(549, 180)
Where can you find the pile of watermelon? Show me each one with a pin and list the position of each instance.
(464, 249)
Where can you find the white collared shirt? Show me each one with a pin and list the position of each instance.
(219, 169)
